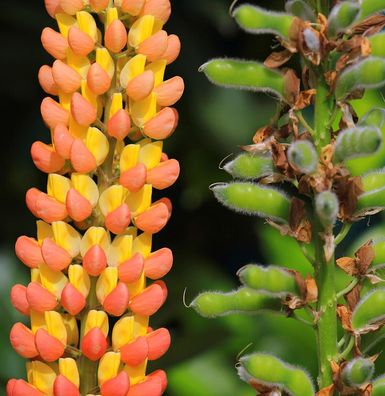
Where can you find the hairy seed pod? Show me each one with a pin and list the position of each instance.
(270, 279)
(327, 207)
(253, 199)
(378, 386)
(369, 7)
(357, 142)
(303, 156)
(259, 368)
(341, 17)
(373, 180)
(243, 300)
(357, 372)
(248, 166)
(375, 116)
(300, 9)
(371, 200)
(377, 44)
(255, 19)
(252, 76)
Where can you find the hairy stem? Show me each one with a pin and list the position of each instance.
(322, 113)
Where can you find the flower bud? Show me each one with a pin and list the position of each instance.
(303, 156)
(64, 387)
(54, 43)
(117, 386)
(158, 264)
(49, 347)
(46, 158)
(23, 341)
(19, 299)
(94, 344)
(327, 207)
(135, 352)
(357, 372)
(28, 251)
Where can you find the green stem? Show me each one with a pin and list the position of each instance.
(348, 288)
(345, 353)
(305, 124)
(322, 113)
(343, 233)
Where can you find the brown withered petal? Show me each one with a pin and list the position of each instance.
(297, 213)
(365, 256)
(277, 59)
(328, 391)
(348, 189)
(345, 316)
(368, 26)
(304, 99)
(348, 265)
(331, 78)
(353, 297)
(311, 289)
(263, 133)
(292, 86)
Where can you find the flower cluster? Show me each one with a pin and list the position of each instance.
(88, 300)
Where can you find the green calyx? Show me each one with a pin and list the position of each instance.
(358, 371)
(327, 207)
(253, 199)
(249, 167)
(303, 156)
(342, 16)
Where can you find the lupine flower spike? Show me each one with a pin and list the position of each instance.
(91, 260)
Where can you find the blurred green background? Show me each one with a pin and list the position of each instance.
(209, 242)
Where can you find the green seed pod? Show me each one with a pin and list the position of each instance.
(373, 180)
(379, 386)
(369, 7)
(377, 44)
(341, 17)
(357, 142)
(243, 300)
(371, 200)
(357, 372)
(255, 19)
(271, 279)
(248, 166)
(327, 207)
(374, 117)
(379, 252)
(241, 74)
(253, 199)
(369, 311)
(300, 9)
(368, 73)
(303, 156)
(269, 370)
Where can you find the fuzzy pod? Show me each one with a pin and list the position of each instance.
(379, 252)
(377, 44)
(374, 117)
(369, 311)
(373, 180)
(272, 279)
(242, 300)
(250, 167)
(241, 74)
(303, 156)
(378, 386)
(371, 200)
(357, 142)
(366, 74)
(357, 372)
(256, 20)
(342, 16)
(253, 199)
(369, 7)
(269, 370)
(327, 207)
(300, 9)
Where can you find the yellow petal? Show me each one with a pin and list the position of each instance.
(136, 373)
(86, 187)
(37, 321)
(129, 157)
(69, 369)
(35, 275)
(112, 198)
(123, 332)
(77, 130)
(44, 230)
(43, 377)
(58, 186)
(140, 201)
(106, 282)
(133, 68)
(72, 329)
(96, 319)
(142, 244)
(79, 278)
(95, 236)
(54, 281)
(67, 237)
(116, 104)
(137, 287)
(112, 14)
(80, 63)
(140, 325)
(143, 110)
(108, 367)
(87, 24)
(141, 30)
(88, 94)
(65, 22)
(158, 68)
(150, 153)
(55, 326)
(105, 61)
(65, 100)
(120, 250)
(97, 143)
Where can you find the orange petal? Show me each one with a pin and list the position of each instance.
(72, 300)
(64, 387)
(99, 5)
(98, 80)
(117, 386)
(52, 113)
(31, 198)
(63, 141)
(132, 7)
(28, 251)
(116, 302)
(19, 299)
(71, 7)
(46, 80)
(115, 37)
(164, 175)
(95, 260)
(49, 210)
(153, 219)
(39, 298)
(67, 79)
(148, 301)
(173, 48)
(10, 387)
(162, 125)
(94, 344)
(167, 202)
(23, 341)
(135, 352)
(158, 264)
(80, 43)
(131, 270)
(54, 255)
(160, 9)
(141, 86)
(119, 125)
(46, 158)
(162, 376)
(135, 178)
(22, 388)
(154, 47)
(159, 342)
(49, 347)
(151, 386)
(81, 158)
(78, 207)
(119, 219)
(53, 7)
(170, 91)
(54, 43)
(82, 110)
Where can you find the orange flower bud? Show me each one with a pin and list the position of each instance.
(10, 386)
(160, 9)
(161, 375)
(66, 78)
(98, 80)
(39, 298)
(116, 302)
(158, 343)
(119, 125)
(52, 113)
(95, 260)
(132, 7)
(53, 7)
(64, 387)
(48, 209)
(63, 141)
(56, 257)
(82, 111)
(135, 352)
(150, 386)
(71, 6)
(154, 47)
(23, 341)
(141, 86)
(98, 5)
(54, 43)
(170, 91)
(162, 125)
(164, 175)
(119, 219)
(153, 219)
(46, 80)
(46, 158)
(31, 198)
(158, 264)
(117, 386)
(81, 158)
(148, 301)
(131, 270)
(80, 43)
(115, 37)
(49, 347)
(78, 207)
(72, 300)
(28, 251)
(166, 201)
(135, 178)
(22, 388)
(94, 344)
(19, 299)
(173, 48)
